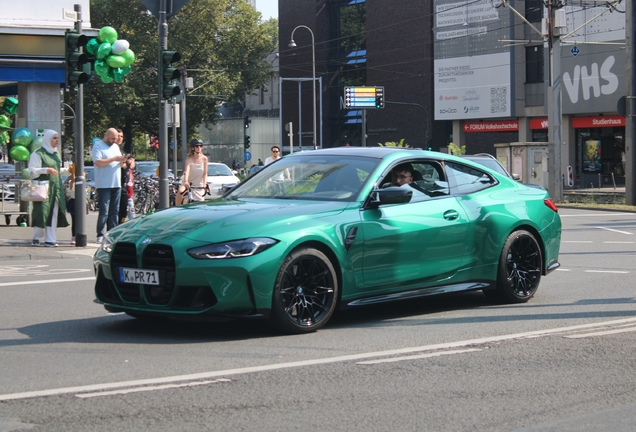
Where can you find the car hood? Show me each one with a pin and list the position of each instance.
(225, 219)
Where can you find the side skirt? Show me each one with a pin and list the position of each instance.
(424, 292)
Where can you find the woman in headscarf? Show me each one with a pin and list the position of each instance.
(44, 164)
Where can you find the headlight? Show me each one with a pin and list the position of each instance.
(232, 249)
(107, 243)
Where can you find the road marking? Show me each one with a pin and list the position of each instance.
(607, 271)
(3, 284)
(577, 241)
(562, 269)
(415, 357)
(304, 363)
(595, 215)
(617, 242)
(602, 333)
(151, 388)
(618, 231)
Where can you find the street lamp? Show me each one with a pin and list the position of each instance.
(292, 44)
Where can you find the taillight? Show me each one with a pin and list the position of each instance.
(551, 205)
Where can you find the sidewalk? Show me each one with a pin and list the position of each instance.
(15, 241)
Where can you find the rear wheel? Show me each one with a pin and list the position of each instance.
(520, 268)
(305, 293)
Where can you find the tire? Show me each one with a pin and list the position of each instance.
(305, 293)
(520, 268)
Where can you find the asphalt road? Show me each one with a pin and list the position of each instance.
(563, 361)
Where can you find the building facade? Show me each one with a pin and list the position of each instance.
(471, 72)
(32, 59)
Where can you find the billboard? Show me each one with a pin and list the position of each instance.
(472, 68)
(593, 73)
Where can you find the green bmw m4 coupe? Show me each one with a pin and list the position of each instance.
(333, 229)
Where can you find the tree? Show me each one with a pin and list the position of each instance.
(222, 43)
(399, 143)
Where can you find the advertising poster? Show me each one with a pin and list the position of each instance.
(592, 156)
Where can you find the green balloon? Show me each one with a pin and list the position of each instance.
(4, 137)
(22, 137)
(108, 77)
(101, 68)
(107, 34)
(25, 174)
(36, 144)
(92, 46)
(118, 75)
(129, 57)
(126, 70)
(19, 153)
(104, 50)
(115, 61)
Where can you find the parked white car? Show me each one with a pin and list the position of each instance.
(220, 178)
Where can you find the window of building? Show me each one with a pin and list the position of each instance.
(534, 10)
(261, 97)
(534, 64)
(352, 26)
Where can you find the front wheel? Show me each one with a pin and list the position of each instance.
(305, 292)
(520, 268)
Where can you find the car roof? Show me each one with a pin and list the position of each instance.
(377, 152)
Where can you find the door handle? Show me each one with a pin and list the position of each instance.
(451, 214)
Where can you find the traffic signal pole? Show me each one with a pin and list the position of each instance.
(80, 179)
(164, 199)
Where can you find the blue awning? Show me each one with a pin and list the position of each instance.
(32, 74)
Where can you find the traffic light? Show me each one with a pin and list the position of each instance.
(247, 142)
(169, 73)
(246, 121)
(379, 101)
(75, 59)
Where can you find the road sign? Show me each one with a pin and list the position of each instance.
(69, 15)
(575, 51)
(364, 97)
(172, 6)
(247, 156)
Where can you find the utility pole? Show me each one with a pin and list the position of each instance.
(555, 111)
(630, 125)
(78, 144)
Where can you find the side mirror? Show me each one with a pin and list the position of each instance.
(390, 195)
(516, 177)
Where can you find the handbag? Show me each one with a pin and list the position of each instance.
(34, 190)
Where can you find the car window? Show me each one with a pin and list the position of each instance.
(429, 180)
(147, 168)
(465, 179)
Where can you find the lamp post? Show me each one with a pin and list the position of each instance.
(292, 44)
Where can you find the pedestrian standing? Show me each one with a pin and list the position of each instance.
(127, 205)
(107, 159)
(45, 164)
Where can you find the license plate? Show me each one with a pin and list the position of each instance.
(138, 276)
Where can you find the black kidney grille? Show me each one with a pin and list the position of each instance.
(159, 257)
(125, 255)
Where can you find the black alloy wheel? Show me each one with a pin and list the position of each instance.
(305, 293)
(520, 268)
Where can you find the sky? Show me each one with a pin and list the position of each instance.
(268, 8)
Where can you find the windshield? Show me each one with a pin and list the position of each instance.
(307, 177)
(219, 170)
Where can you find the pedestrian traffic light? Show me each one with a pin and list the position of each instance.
(169, 73)
(247, 141)
(379, 101)
(75, 58)
(246, 121)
